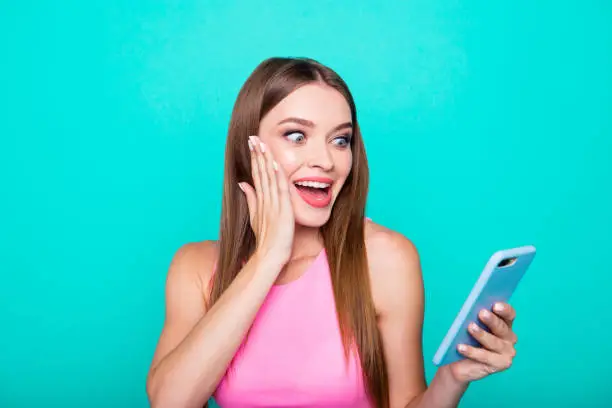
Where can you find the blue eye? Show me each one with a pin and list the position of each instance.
(295, 136)
(342, 141)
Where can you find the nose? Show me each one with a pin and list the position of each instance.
(320, 157)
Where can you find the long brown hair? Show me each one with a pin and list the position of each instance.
(343, 234)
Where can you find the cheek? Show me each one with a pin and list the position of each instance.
(344, 163)
(287, 159)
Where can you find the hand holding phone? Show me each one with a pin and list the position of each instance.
(495, 286)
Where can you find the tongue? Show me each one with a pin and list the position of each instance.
(312, 191)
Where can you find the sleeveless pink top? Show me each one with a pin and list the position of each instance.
(293, 356)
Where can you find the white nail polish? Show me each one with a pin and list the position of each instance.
(275, 165)
(263, 147)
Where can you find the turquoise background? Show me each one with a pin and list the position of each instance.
(487, 125)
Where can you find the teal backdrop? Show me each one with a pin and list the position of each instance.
(487, 125)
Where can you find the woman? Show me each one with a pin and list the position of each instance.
(303, 301)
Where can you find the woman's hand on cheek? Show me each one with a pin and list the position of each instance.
(270, 208)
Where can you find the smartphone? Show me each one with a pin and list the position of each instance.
(497, 283)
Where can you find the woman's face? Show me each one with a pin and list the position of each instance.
(309, 133)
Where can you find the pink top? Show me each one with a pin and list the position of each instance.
(293, 356)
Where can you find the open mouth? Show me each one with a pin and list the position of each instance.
(314, 193)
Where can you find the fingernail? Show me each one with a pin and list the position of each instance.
(474, 327)
(499, 307)
(240, 186)
(263, 147)
(462, 347)
(250, 145)
(486, 313)
(275, 165)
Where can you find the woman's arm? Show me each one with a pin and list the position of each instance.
(398, 292)
(443, 391)
(196, 346)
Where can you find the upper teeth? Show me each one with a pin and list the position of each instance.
(314, 184)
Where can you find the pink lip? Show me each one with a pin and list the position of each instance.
(313, 200)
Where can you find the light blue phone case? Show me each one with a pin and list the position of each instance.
(497, 282)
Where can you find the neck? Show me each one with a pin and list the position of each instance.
(307, 242)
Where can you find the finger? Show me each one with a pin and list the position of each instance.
(494, 360)
(267, 173)
(271, 173)
(260, 148)
(251, 199)
(506, 312)
(256, 176)
(283, 185)
(488, 340)
(497, 326)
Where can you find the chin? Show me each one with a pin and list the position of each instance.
(312, 219)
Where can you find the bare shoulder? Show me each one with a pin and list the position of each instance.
(395, 269)
(193, 264)
(397, 290)
(187, 285)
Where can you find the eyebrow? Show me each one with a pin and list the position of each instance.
(308, 123)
